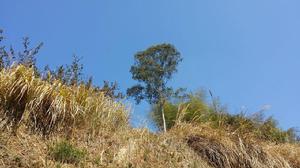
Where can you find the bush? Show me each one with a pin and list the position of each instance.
(26, 56)
(65, 152)
(194, 109)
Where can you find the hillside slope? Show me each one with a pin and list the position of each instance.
(48, 124)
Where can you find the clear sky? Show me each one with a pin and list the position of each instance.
(246, 51)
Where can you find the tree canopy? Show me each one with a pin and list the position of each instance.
(153, 68)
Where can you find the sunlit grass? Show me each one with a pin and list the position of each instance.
(49, 107)
(77, 126)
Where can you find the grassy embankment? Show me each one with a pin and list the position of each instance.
(48, 124)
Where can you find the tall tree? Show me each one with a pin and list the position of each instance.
(153, 68)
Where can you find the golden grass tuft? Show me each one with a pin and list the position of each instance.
(53, 107)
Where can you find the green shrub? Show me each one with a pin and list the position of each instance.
(170, 115)
(197, 110)
(65, 152)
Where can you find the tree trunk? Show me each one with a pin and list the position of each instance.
(162, 103)
(163, 117)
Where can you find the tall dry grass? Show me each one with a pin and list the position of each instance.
(46, 108)
(222, 150)
(43, 114)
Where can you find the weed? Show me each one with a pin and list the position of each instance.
(65, 152)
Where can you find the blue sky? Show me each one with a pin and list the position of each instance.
(246, 52)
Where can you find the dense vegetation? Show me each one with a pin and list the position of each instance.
(54, 118)
(195, 109)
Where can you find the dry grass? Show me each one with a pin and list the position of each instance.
(183, 146)
(42, 114)
(52, 107)
(291, 152)
(222, 150)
